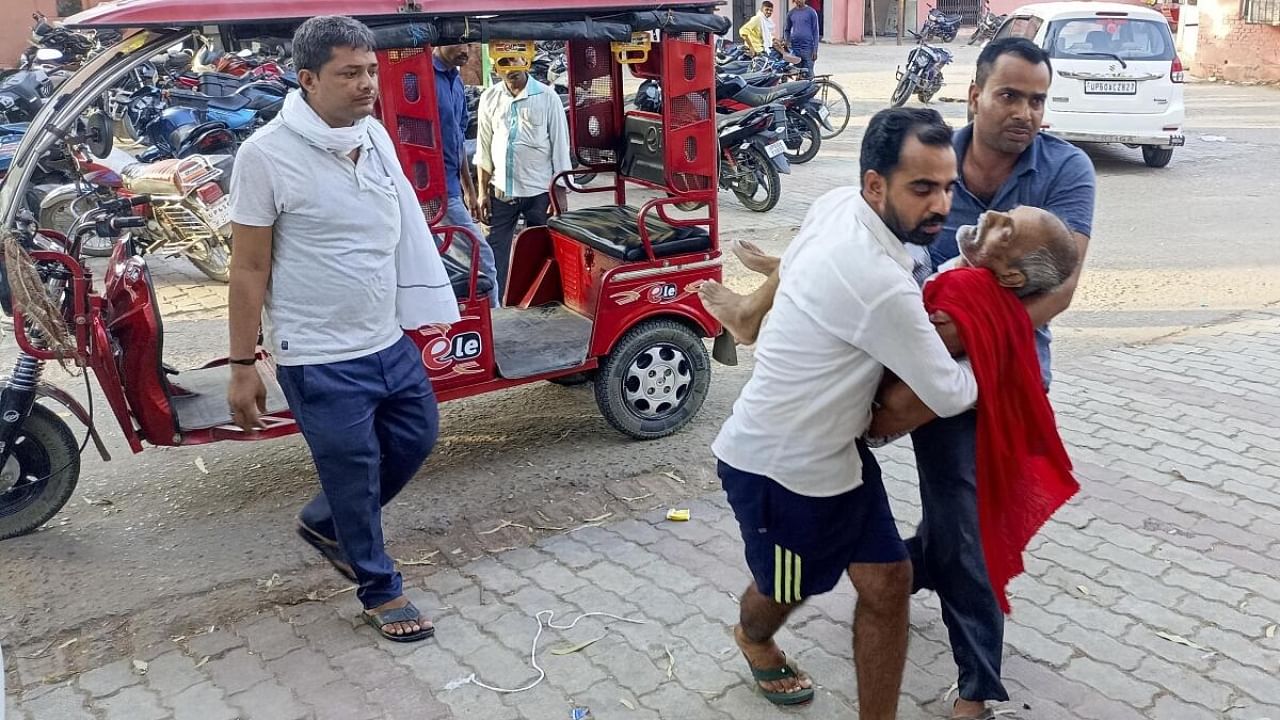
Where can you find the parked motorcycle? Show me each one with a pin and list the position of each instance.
(752, 153)
(923, 75)
(22, 94)
(187, 211)
(941, 26)
(988, 25)
(806, 117)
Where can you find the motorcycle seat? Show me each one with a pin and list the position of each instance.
(723, 121)
(615, 231)
(734, 67)
(948, 19)
(763, 96)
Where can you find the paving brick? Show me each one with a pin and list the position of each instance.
(447, 582)
(1036, 646)
(135, 703)
(304, 671)
(497, 577)
(336, 636)
(569, 552)
(201, 702)
(1147, 638)
(1169, 707)
(543, 701)
(662, 605)
(237, 671)
(1224, 616)
(611, 577)
(1089, 615)
(639, 532)
(1130, 560)
(1204, 587)
(408, 703)
(63, 703)
(270, 637)
(342, 702)
(1260, 685)
(702, 674)
(1195, 562)
(109, 678)
(1114, 685)
(555, 578)
(1189, 685)
(214, 643)
(172, 673)
(631, 668)
(573, 674)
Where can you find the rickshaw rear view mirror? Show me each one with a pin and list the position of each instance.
(510, 56)
(46, 55)
(635, 52)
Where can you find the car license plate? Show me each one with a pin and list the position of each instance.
(1111, 87)
(220, 212)
(776, 148)
(823, 112)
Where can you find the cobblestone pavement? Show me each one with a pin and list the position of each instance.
(1152, 595)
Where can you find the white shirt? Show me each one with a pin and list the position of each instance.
(766, 32)
(846, 308)
(523, 140)
(335, 227)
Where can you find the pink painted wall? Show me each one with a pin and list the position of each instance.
(1231, 49)
(844, 21)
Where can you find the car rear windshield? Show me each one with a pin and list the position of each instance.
(1126, 38)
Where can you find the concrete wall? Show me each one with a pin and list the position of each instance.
(1230, 49)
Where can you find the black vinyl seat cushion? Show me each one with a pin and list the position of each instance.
(460, 278)
(615, 231)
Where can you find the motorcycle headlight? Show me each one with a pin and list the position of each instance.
(922, 60)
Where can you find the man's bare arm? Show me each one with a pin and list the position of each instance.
(250, 273)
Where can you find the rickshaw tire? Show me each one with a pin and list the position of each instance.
(612, 374)
(43, 428)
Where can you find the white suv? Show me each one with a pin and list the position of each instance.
(1116, 75)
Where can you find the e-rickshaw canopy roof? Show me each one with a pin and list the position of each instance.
(176, 13)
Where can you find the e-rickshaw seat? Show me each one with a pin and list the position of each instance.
(615, 231)
(460, 278)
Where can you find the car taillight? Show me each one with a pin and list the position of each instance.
(1176, 72)
(209, 193)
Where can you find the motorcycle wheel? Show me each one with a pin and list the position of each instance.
(763, 177)
(977, 34)
(217, 261)
(900, 94)
(40, 475)
(804, 138)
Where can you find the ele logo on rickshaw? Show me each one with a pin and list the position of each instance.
(604, 292)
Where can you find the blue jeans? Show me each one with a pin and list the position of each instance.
(370, 423)
(457, 215)
(946, 553)
(805, 53)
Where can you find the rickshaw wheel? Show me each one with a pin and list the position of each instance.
(41, 473)
(655, 380)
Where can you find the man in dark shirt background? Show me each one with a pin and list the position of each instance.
(802, 31)
(463, 207)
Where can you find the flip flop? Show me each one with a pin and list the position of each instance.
(987, 714)
(782, 697)
(327, 549)
(405, 614)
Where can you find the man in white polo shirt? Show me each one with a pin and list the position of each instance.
(806, 491)
(326, 227)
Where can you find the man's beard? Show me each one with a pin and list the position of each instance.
(915, 235)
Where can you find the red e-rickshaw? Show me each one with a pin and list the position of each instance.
(606, 292)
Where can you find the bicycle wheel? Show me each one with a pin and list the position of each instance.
(833, 98)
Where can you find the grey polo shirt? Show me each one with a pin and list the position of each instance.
(336, 225)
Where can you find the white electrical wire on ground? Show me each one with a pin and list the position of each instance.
(533, 653)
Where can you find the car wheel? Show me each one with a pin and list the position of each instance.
(1156, 157)
(655, 380)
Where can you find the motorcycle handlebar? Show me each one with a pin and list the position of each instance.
(127, 222)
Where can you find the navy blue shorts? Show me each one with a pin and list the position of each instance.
(798, 546)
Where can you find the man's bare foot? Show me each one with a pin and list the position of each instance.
(763, 656)
(969, 710)
(754, 258)
(400, 628)
(732, 310)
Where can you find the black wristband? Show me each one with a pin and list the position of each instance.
(244, 361)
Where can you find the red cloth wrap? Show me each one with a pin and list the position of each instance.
(1024, 474)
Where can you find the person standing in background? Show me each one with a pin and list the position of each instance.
(759, 33)
(802, 33)
(464, 205)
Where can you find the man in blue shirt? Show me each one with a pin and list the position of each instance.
(1004, 162)
(463, 206)
(802, 33)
